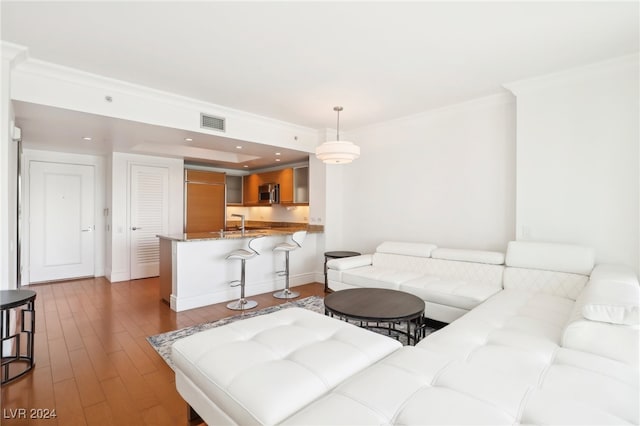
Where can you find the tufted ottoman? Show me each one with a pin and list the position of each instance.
(263, 369)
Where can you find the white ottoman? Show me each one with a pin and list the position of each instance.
(263, 369)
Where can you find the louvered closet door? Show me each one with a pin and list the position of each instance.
(149, 217)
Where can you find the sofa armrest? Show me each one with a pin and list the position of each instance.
(350, 262)
(615, 273)
(612, 296)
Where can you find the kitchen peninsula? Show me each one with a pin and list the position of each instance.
(194, 271)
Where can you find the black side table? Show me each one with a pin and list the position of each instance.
(335, 255)
(18, 360)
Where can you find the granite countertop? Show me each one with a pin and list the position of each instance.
(229, 235)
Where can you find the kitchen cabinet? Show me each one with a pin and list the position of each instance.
(205, 177)
(234, 190)
(301, 185)
(205, 201)
(250, 185)
(285, 179)
(294, 185)
(269, 177)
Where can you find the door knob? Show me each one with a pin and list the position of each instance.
(135, 228)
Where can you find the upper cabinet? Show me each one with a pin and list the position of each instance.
(204, 201)
(285, 179)
(294, 185)
(204, 177)
(301, 185)
(250, 185)
(234, 190)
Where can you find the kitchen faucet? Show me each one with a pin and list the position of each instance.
(241, 216)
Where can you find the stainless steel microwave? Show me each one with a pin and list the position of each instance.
(269, 193)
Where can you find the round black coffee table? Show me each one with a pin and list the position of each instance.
(384, 307)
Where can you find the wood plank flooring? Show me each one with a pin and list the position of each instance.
(93, 363)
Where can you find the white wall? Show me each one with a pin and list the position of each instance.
(317, 190)
(578, 159)
(118, 258)
(98, 163)
(445, 177)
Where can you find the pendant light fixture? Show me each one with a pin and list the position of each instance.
(337, 152)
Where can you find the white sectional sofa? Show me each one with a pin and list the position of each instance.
(450, 281)
(558, 343)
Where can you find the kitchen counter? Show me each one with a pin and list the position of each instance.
(195, 271)
(226, 235)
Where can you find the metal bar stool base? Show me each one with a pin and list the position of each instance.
(286, 294)
(242, 304)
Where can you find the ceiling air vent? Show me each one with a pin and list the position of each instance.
(211, 122)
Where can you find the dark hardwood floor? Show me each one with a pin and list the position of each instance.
(93, 363)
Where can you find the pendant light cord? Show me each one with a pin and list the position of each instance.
(338, 109)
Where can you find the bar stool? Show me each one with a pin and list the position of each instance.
(298, 239)
(243, 255)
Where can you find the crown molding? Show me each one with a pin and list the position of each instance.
(14, 52)
(496, 99)
(573, 74)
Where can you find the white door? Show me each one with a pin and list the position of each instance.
(61, 221)
(149, 217)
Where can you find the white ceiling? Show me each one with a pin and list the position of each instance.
(294, 61)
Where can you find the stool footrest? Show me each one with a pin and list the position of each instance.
(235, 283)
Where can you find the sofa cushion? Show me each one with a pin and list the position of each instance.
(263, 369)
(406, 249)
(550, 257)
(555, 283)
(376, 277)
(401, 262)
(479, 256)
(460, 294)
(472, 272)
(404, 388)
(581, 388)
(531, 322)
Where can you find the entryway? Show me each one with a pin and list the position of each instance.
(61, 221)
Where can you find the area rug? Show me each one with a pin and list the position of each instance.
(162, 342)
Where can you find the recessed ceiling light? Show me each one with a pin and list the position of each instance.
(188, 139)
(277, 153)
(277, 159)
(245, 166)
(86, 138)
(238, 147)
